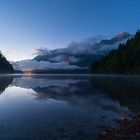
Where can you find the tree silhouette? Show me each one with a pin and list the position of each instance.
(124, 60)
(5, 66)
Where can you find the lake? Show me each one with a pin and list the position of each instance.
(64, 107)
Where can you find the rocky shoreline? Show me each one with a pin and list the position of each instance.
(128, 129)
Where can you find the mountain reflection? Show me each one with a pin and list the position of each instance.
(70, 103)
(5, 81)
(104, 92)
(119, 88)
(125, 89)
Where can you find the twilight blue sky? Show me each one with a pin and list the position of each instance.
(26, 25)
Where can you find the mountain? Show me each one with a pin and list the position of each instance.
(121, 36)
(5, 66)
(87, 47)
(124, 60)
(76, 56)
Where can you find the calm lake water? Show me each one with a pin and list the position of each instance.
(60, 107)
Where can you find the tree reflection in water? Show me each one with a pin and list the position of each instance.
(5, 81)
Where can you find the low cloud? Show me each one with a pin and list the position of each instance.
(72, 48)
(41, 51)
(65, 58)
(29, 65)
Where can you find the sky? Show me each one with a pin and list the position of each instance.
(27, 25)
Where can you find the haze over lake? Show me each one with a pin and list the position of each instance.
(64, 107)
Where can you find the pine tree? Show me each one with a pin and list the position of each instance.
(5, 66)
(124, 60)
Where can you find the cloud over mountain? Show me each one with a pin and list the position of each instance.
(41, 51)
(76, 55)
(29, 65)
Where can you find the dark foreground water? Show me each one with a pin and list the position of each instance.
(47, 107)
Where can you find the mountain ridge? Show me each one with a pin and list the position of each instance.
(124, 60)
(76, 54)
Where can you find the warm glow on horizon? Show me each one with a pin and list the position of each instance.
(27, 73)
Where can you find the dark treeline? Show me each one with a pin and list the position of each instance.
(5, 66)
(124, 60)
(124, 89)
(5, 81)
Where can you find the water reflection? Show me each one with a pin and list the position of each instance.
(125, 89)
(77, 91)
(84, 90)
(5, 81)
(64, 107)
